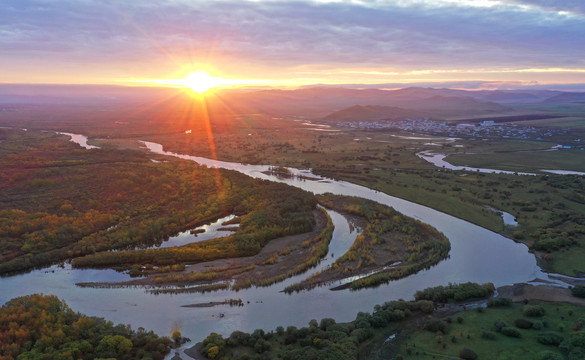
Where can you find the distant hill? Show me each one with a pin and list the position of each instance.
(311, 102)
(319, 102)
(372, 113)
(435, 106)
(566, 98)
(451, 105)
(507, 97)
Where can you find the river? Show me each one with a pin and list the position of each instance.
(439, 161)
(476, 254)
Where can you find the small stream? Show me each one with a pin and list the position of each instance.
(213, 230)
(439, 161)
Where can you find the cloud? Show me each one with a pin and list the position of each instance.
(286, 35)
(570, 7)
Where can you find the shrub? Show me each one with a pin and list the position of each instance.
(496, 302)
(290, 339)
(577, 354)
(378, 321)
(467, 354)
(238, 338)
(523, 324)
(326, 323)
(537, 325)
(533, 310)
(303, 332)
(291, 330)
(510, 331)
(434, 325)
(549, 355)
(426, 306)
(396, 315)
(280, 330)
(457, 292)
(550, 338)
(490, 335)
(578, 291)
(499, 325)
(362, 334)
(262, 346)
(336, 336)
(577, 339)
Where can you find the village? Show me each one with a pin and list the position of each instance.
(484, 129)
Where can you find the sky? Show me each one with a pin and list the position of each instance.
(486, 43)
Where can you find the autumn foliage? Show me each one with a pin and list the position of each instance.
(59, 201)
(44, 327)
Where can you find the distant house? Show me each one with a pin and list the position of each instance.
(487, 123)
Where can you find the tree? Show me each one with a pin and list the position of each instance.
(213, 352)
(176, 336)
(114, 346)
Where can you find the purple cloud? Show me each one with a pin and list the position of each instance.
(291, 33)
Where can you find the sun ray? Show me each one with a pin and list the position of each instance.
(200, 82)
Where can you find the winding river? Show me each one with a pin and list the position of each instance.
(477, 255)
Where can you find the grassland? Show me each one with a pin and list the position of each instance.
(476, 330)
(565, 159)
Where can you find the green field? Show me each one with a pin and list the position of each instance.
(564, 159)
(560, 318)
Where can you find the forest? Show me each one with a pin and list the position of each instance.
(58, 201)
(44, 327)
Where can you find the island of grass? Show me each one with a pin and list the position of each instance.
(279, 259)
(390, 246)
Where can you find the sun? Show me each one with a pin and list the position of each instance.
(200, 81)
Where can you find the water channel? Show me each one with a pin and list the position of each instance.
(477, 255)
(439, 160)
